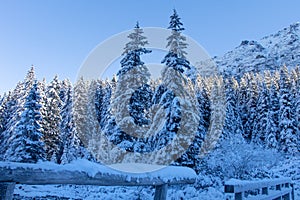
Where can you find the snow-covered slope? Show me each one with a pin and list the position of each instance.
(270, 52)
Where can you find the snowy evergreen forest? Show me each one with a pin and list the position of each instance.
(59, 122)
(37, 119)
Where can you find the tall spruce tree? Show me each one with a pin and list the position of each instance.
(218, 115)
(233, 124)
(242, 102)
(105, 103)
(204, 101)
(130, 99)
(15, 105)
(26, 144)
(80, 101)
(192, 157)
(272, 129)
(64, 87)
(261, 118)
(297, 117)
(132, 52)
(175, 58)
(296, 102)
(43, 89)
(3, 113)
(177, 98)
(287, 137)
(71, 147)
(99, 101)
(4, 119)
(29, 79)
(249, 103)
(52, 121)
(92, 120)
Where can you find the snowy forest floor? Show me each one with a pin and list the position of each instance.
(206, 188)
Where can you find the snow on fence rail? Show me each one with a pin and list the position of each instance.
(269, 189)
(83, 172)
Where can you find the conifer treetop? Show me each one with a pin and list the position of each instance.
(175, 23)
(30, 77)
(137, 40)
(133, 50)
(176, 41)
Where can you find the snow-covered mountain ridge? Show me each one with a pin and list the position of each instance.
(268, 53)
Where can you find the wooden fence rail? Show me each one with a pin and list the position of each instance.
(272, 189)
(17, 173)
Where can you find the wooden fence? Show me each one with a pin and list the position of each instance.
(272, 189)
(11, 174)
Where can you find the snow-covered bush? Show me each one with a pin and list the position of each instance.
(235, 158)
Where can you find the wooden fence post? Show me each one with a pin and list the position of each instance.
(161, 192)
(239, 196)
(293, 191)
(7, 190)
(265, 190)
(278, 187)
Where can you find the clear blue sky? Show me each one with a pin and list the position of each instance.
(57, 35)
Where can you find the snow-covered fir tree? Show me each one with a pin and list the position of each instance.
(272, 129)
(233, 124)
(130, 99)
(204, 101)
(192, 157)
(100, 101)
(91, 108)
(25, 143)
(217, 117)
(104, 103)
(248, 103)
(175, 58)
(42, 85)
(3, 112)
(177, 96)
(181, 118)
(71, 147)
(80, 101)
(52, 121)
(252, 104)
(97, 104)
(296, 101)
(30, 78)
(94, 130)
(133, 50)
(174, 100)
(242, 101)
(287, 134)
(297, 116)
(64, 87)
(15, 106)
(261, 118)
(140, 104)
(4, 119)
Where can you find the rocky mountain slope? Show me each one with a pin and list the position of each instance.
(270, 52)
